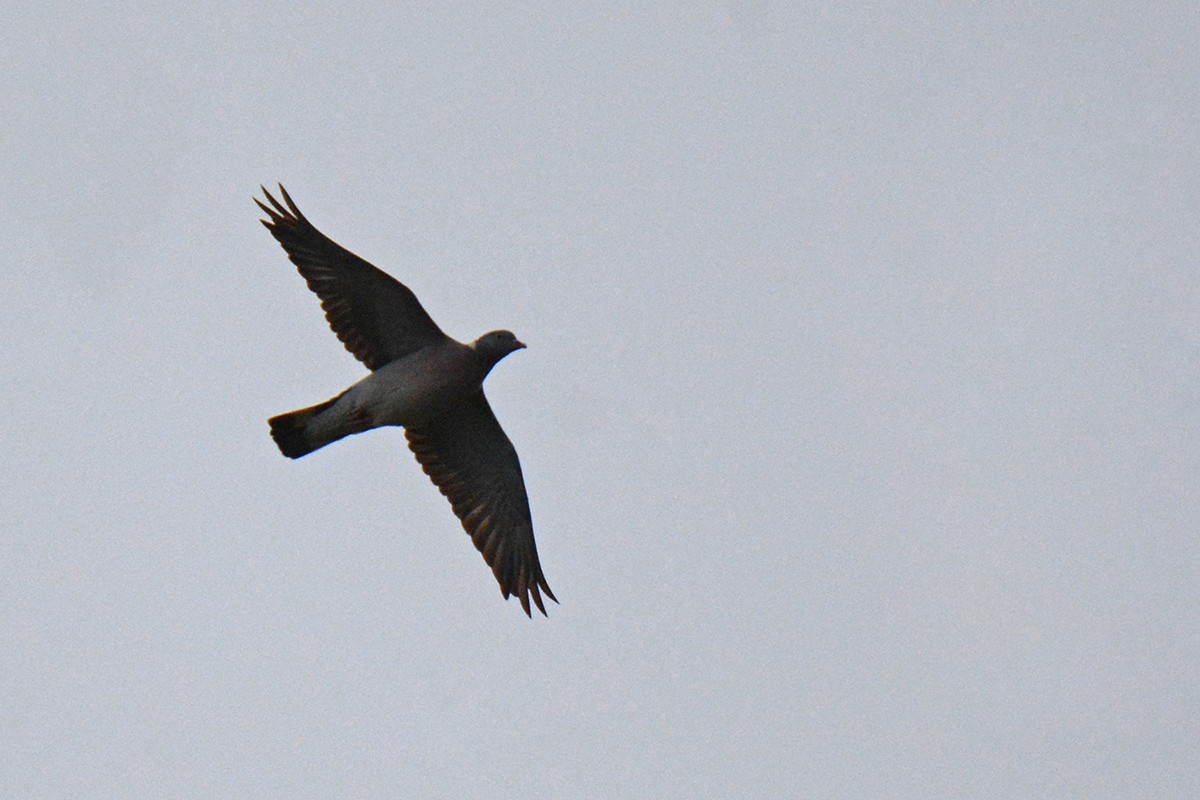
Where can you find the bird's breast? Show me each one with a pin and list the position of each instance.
(419, 386)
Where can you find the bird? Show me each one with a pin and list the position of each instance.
(422, 380)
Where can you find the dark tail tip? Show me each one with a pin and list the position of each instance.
(288, 432)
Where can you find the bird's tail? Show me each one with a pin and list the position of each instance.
(290, 430)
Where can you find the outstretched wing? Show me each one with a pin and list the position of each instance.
(474, 464)
(378, 318)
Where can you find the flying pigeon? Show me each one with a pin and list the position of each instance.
(422, 380)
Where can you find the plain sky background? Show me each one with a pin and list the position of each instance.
(860, 415)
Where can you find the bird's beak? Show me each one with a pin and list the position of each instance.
(520, 345)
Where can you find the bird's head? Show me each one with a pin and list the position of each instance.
(496, 345)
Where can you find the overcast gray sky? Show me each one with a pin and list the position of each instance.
(860, 415)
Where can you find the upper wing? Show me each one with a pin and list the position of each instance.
(378, 318)
(474, 464)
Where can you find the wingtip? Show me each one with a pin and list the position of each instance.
(537, 590)
(270, 215)
(537, 598)
(522, 596)
(287, 198)
(278, 211)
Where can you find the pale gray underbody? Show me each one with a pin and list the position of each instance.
(408, 391)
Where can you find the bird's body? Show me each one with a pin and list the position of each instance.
(423, 381)
(408, 391)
